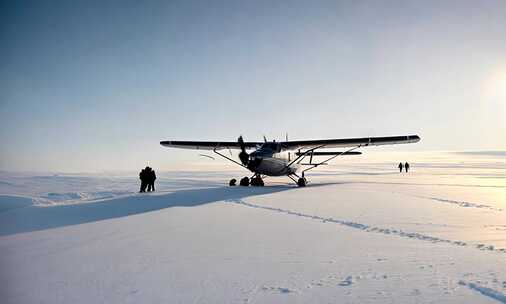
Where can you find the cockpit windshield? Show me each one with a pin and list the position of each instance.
(273, 146)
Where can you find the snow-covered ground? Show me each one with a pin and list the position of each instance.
(359, 233)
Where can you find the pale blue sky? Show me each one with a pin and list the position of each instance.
(90, 86)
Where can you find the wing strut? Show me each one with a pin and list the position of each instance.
(228, 158)
(299, 158)
(310, 152)
(328, 159)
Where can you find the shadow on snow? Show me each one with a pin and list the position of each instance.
(33, 218)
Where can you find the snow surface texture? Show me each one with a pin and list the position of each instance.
(359, 233)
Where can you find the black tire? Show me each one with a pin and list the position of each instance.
(257, 181)
(232, 182)
(302, 182)
(244, 181)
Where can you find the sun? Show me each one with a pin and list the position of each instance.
(495, 86)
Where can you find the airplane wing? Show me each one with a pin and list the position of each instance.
(208, 145)
(349, 142)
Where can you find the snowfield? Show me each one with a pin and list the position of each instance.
(359, 233)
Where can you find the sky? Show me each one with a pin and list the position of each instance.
(91, 86)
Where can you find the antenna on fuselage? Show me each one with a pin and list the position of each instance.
(265, 139)
(286, 136)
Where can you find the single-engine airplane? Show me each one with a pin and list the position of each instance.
(286, 158)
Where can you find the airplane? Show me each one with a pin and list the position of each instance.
(286, 158)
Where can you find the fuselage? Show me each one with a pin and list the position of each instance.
(270, 160)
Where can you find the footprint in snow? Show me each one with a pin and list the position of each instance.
(415, 292)
(346, 282)
(282, 290)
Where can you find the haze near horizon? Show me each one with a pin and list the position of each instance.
(88, 86)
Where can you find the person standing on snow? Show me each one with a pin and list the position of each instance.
(143, 176)
(406, 166)
(400, 167)
(151, 180)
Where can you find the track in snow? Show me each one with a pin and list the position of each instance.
(369, 228)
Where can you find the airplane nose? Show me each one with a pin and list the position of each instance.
(254, 162)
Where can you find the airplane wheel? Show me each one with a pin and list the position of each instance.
(301, 182)
(232, 182)
(257, 181)
(244, 181)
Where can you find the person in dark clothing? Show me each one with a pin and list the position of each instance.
(400, 167)
(143, 176)
(151, 180)
(406, 166)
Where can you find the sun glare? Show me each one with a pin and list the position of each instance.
(495, 86)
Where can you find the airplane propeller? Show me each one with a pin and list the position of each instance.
(243, 156)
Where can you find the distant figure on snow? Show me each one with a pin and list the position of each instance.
(147, 177)
(406, 166)
(151, 180)
(400, 167)
(143, 176)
